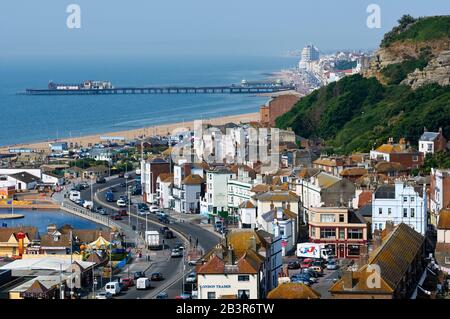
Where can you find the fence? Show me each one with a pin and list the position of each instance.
(75, 209)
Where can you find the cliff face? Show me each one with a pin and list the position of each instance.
(432, 55)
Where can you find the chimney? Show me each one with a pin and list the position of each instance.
(389, 227)
(425, 129)
(279, 213)
(347, 279)
(230, 255)
(252, 243)
(440, 130)
(391, 140)
(376, 239)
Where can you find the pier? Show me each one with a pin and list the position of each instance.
(74, 209)
(231, 89)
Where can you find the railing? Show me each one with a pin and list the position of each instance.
(75, 209)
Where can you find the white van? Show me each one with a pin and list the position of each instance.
(113, 287)
(74, 195)
(143, 283)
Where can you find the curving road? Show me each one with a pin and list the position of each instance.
(172, 268)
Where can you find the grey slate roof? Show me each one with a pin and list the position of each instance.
(428, 136)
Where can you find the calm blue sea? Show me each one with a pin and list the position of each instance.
(36, 118)
(42, 218)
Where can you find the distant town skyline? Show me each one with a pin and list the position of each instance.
(148, 28)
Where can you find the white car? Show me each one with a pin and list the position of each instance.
(332, 265)
(191, 278)
(154, 209)
(121, 203)
(103, 295)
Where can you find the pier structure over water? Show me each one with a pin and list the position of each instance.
(231, 89)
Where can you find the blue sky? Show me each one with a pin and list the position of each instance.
(112, 28)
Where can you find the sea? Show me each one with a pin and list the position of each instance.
(42, 218)
(26, 119)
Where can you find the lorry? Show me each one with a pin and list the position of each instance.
(142, 283)
(312, 250)
(152, 239)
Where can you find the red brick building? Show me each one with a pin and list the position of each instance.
(276, 107)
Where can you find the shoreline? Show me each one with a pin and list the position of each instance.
(159, 129)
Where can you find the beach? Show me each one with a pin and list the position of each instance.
(162, 129)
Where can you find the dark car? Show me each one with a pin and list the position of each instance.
(113, 189)
(116, 217)
(156, 276)
(123, 286)
(169, 234)
(123, 184)
(294, 264)
(123, 212)
(101, 180)
(164, 229)
(121, 175)
(139, 274)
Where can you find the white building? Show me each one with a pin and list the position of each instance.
(216, 194)
(247, 215)
(186, 189)
(431, 142)
(239, 189)
(399, 203)
(49, 178)
(164, 184)
(309, 54)
(23, 181)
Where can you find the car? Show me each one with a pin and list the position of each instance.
(306, 263)
(116, 217)
(100, 180)
(332, 265)
(142, 213)
(139, 274)
(156, 276)
(103, 295)
(164, 220)
(161, 214)
(317, 269)
(162, 295)
(123, 184)
(113, 189)
(121, 174)
(142, 206)
(184, 296)
(191, 278)
(313, 275)
(143, 283)
(169, 234)
(102, 211)
(129, 282)
(319, 262)
(123, 212)
(84, 185)
(154, 209)
(121, 203)
(123, 287)
(79, 202)
(162, 230)
(127, 176)
(176, 253)
(196, 262)
(179, 246)
(298, 279)
(294, 264)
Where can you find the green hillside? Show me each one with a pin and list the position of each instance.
(357, 113)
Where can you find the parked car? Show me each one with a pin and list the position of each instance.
(303, 280)
(100, 180)
(156, 276)
(121, 174)
(184, 296)
(154, 209)
(196, 262)
(142, 212)
(306, 263)
(162, 295)
(121, 203)
(123, 212)
(103, 295)
(191, 278)
(113, 189)
(123, 287)
(113, 287)
(169, 234)
(163, 230)
(179, 246)
(294, 264)
(317, 269)
(142, 206)
(102, 211)
(139, 274)
(129, 282)
(332, 265)
(127, 176)
(116, 217)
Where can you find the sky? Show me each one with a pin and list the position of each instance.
(113, 28)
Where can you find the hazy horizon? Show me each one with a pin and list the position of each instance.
(37, 29)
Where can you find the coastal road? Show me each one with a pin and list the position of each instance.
(171, 266)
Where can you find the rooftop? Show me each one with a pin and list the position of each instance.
(292, 290)
(444, 219)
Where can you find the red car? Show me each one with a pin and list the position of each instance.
(123, 212)
(306, 263)
(129, 282)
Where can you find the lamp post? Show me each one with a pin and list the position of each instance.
(110, 251)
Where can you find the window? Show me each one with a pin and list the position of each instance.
(313, 231)
(380, 210)
(430, 147)
(380, 226)
(328, 233)
(415, 158)
(243, 278)
(327, 218)
(353, 250)
(389, 211)
(413, 212)
(211, 295)
(412, 199)
(405, 199)
(447, 260)
(341, 233)
(355, 233)
(341, 218)
(405, 212)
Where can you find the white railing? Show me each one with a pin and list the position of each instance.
(75, 209)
